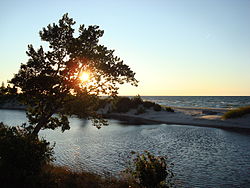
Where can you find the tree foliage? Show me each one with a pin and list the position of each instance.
(7, 90)
(50, 80)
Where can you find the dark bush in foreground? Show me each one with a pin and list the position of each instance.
(21, 156)
(237, 113)
(150, 171)
(25, 162)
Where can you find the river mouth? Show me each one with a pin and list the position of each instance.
(202, 157)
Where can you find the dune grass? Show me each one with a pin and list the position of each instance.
(237, 113)
(54, 176)
(64, 178)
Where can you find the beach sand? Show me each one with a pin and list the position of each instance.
(205, 117)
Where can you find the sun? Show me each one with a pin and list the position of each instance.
(84, 76)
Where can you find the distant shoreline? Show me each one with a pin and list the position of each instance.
(13, 108)
(131, 120)
(191, 116)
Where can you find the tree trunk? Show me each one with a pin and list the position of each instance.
(39, 125)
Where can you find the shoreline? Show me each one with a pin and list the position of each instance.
(13, 108)
(191, 116)
(130, 120)
(201, 117)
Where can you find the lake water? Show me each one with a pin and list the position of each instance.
(201, 101)
(202, 157)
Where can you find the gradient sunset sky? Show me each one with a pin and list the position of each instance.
(176, 47)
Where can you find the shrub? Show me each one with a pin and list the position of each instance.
(236, 113)
(62, 177)
(169, 109)
(157, 107)
(140, 110)
(151, 171)
(102, 102)
(122, 104)
(136, 101)
(21, 155)
(148, 104)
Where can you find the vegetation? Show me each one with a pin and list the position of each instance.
(7, 94)
(148, 104)
(237, 113)
(124, 104)
(140, 110)
(62, 177)
(25, 162)
(157, 107)
(50, 81)
(150, 171)
(169, 109)
(7, 90)
(136, 101)
(21, 156)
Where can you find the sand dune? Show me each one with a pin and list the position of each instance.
(207, 117)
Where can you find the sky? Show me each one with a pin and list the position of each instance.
(176, 47)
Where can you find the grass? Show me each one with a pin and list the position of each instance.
(64, 178)
(237, 113)
(53, 177)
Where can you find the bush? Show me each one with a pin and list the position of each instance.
(21, 156)
(62, 177)
(169, 109)
(122, 104)
(151, 171)
(237, 113)
(140, 110)
(102, 102)
(148, 104)
(157, 107)
(136, 101)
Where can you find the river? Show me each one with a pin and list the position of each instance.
(202, 157)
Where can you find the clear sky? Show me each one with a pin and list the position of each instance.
(176, 47)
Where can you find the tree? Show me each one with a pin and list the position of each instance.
(50, 81)
(7, 90)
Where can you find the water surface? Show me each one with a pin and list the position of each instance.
(202, 157)
(201, 101)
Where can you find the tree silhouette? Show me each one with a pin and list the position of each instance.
(50, 82)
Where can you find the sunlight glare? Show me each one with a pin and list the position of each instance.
(84, 76)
